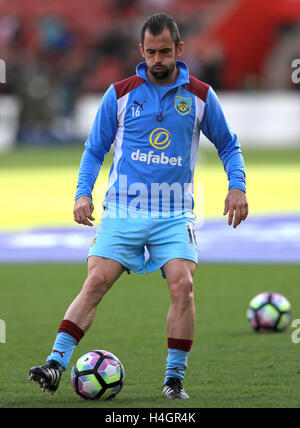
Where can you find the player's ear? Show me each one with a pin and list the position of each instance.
(180, 49)
(142, 50)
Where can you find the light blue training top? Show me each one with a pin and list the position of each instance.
(155, 130)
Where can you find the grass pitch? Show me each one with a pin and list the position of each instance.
(38, 185)
(229, 365)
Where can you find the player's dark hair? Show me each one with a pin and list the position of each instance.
(156, 25)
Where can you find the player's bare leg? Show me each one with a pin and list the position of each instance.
(102, 273)
(180, 324)
(181, 315)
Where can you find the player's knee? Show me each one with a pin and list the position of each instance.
(95, 287)
(182, 291)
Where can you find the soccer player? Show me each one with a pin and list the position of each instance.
(154, 120)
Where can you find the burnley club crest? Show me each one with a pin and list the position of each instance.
(183, 105)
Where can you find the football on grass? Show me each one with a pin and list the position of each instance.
(269, 312)
(98, 375)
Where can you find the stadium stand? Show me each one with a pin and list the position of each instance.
(59, 51)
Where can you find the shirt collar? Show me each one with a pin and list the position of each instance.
(182, 79)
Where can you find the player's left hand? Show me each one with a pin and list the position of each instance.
(237, 206)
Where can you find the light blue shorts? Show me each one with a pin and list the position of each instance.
(145, 244)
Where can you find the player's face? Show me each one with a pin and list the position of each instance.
(160, 54)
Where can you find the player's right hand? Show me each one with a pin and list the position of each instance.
(83, 210)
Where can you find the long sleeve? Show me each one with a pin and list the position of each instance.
(216, 129)
(101, 137)
(88, 172)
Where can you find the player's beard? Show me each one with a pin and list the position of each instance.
(164, 73)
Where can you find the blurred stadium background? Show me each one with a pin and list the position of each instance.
(61, 56)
